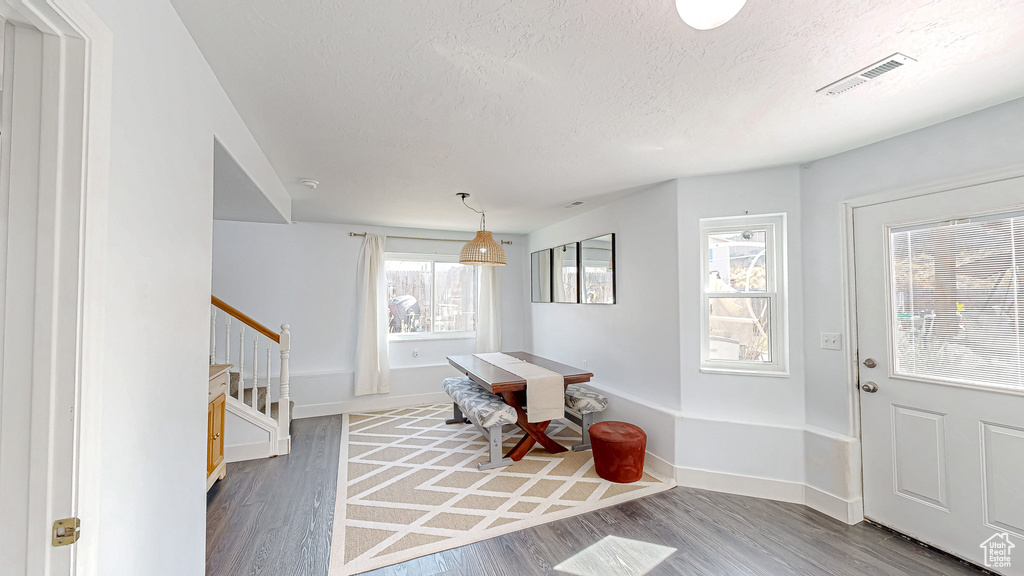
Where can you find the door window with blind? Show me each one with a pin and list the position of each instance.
(744, 294)
(956, 293)
(430, 296)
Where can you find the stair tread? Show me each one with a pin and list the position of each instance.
(261, 398)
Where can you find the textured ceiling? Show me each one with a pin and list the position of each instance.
(396, 105)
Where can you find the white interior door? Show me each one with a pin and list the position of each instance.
(53, 150)
(940, 318)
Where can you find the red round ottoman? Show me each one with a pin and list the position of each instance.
(618, 451)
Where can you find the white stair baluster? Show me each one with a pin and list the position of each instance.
(266, 406)
(283, 407)
(281, 437)
(255, 372)
(227, 338)
(213, 335)
(241, 364)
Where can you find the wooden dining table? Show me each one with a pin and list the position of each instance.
(512, 389)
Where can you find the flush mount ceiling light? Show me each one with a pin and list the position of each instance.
(708, 14)
(481, 250)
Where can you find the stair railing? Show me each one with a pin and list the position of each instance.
(283, 342)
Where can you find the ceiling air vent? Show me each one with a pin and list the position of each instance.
(873, 71)
(573, 204)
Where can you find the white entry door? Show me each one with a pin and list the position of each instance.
(940, 318)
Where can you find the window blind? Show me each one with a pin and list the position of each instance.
(957, 289)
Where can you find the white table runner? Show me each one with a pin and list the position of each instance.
(545, 390)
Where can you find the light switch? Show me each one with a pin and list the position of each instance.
(831, 341)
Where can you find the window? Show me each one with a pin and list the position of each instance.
(957, 290)
(743, 294)
(430, 294)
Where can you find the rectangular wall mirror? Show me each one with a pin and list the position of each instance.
(597, 262)
(565, 266)
(540, 266)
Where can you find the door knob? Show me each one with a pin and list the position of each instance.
(869, 387)
(870, 363)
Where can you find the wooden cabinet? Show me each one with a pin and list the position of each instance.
(216, 468)
(215, 454)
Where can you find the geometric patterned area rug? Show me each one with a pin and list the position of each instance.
(408, 486)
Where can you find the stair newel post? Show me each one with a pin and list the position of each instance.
(266, 405)
(256, 372)
(241, 364)
(283, 406)
(213, 335)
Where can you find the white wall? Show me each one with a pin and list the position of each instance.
(739, 433)
(167, 107)
(631, 347)
(304, 275)
(742, 424)
(968, 148)
(745, 398)
(792, 438)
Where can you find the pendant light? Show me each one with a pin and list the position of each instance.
(481, 250)
(708, 14)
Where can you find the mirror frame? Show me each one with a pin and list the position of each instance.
(533, 277)
(576, 245)
(582, 271)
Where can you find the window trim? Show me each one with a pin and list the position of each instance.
(432, 258)
(777, 281)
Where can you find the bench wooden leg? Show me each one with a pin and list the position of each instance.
(494, 438)
(585, 421)
(457, 417)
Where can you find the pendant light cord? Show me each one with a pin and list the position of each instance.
(483, 217)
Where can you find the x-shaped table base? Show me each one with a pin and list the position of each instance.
(534, 430)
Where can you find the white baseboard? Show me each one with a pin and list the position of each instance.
(369, 404)
(781, 490)
(659, 465)
(776, 461)
(251, 451)
(850, 512)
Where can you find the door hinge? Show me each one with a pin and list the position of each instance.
(66, 531)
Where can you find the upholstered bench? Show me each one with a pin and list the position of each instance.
(472, 403)
(581, 404)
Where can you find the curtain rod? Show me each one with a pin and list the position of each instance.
(417, 238)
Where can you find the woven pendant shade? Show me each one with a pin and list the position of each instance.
(482, 251)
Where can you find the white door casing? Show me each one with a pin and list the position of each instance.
(941, 460)
(53, 181)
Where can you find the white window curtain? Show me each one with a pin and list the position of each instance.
(373, 374)
(488, 324)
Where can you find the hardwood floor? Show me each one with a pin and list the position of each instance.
(274, 517)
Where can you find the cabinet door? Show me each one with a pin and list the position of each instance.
(217, 440)
(210, 440)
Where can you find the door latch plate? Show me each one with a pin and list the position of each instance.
(66, 531)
